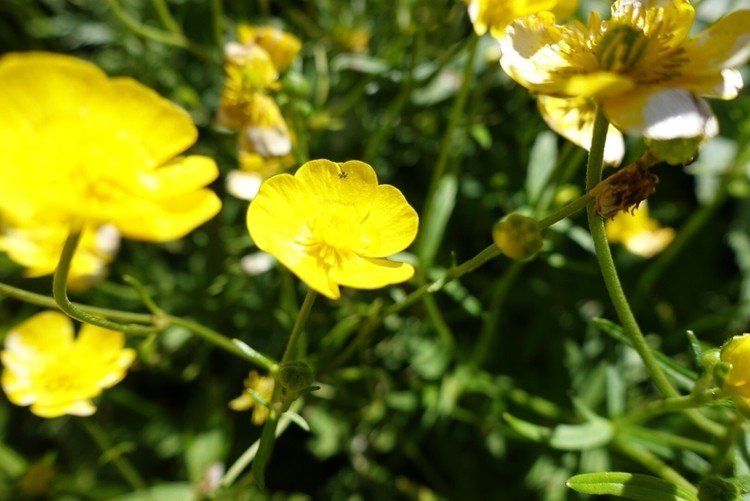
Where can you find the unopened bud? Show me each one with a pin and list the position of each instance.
(679, 151)
(518, 237)
(295, 375)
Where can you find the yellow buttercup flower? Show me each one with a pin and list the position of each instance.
(80, 148)
(737, 381)
(573, 118)
(46, 368)
(281, 47)
(263, 386)
(640, 234)
(332, 224)
(639, 66)
(496, 15)
(38, 248)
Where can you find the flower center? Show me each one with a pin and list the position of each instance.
(621, 48)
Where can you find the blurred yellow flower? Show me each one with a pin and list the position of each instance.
(737, 382)
(46, 368)
(263, 386)
(83, 149)
(38, 249)
(573, 118)
(640, 234)
(331, 224)
(496, 15)
(639, 66)
(281, 47)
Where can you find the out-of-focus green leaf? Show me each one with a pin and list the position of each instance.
(629, 486)
(590, 435)
(541, 164)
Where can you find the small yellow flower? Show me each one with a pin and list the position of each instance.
(332, 224)
(263, 386)
(56, 374)
(282, 47)
(640, 234)
(38, 249)
(737, 382)
(82, 149)
(639, 66)
(496, 15)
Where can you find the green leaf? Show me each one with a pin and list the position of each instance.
(567, 437)
(203, 451)
(176, 490)
(629, 486)
(436, 218)
(541, 164)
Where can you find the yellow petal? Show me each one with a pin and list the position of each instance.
(165, 220)
(659, 113)
(573, 118)
(351, 183)
(178, 177)
(370, 273)
(726, 44)
(45, 333)
(391, 224)
(737, 353)
(75, 408)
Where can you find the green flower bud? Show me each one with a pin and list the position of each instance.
(518, 237)
(680, 151)
(295, 375)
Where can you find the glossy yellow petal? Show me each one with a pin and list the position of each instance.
(726, 44)
(352, 184)
(282, 47)
(737, 353)
(573, 118)
(75, 408)
(43, 334)
(391, 225)
(640, 234)
(661, 114)
(165, 220)
(180, 176)
(369, 273)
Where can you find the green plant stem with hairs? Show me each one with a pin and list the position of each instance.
(291, 353)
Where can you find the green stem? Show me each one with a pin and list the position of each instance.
(428, 243)
(576, 205)
(60, 293)
(268, 435)
(217, 18)
(652, 463)
(484, 344)
(223, 342)
(672, 440)
(49, 302)
(607, 265)
(673, 404)
(166, 17)
(127, 470)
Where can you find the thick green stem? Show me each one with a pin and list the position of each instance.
(268, 435)
(125, 467)
(607, 265)
(60, 293)
(652, 463)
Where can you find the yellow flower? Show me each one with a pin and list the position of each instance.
(263, 386)
(737, 382)
(331, 224)
(56, 374)
(639, 66)
(640, 234)
(83, 149)
(38, 249)
(282, 47)
(573, 118)
(496, 15)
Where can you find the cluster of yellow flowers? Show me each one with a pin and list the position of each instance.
(253, 66)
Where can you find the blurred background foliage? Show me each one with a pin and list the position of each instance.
(417, 412)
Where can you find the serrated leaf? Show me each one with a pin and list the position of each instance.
(629, 486)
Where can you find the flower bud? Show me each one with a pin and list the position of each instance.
(295, 375)
(732, 373)
(518, 237)
(678, 151)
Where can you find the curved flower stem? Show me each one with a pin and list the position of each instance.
(268, 435)
(125, 467)
(607, 265)
(60, 293)
(652, 463)
(673, 404)
(166, 17)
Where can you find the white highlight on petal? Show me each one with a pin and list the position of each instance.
(269, 141)
(677, 113)
(243, 185)
(257, 263)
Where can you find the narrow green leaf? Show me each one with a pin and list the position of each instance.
(629, 486)
(436, 218)
(568, 437)
(541, 164)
